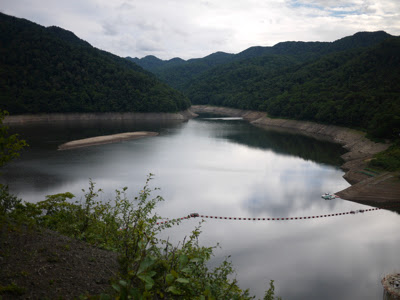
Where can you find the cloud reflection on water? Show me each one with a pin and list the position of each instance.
(229, 168)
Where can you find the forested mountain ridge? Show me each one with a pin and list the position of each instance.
(350, 82)
(51, 70)
(179, 73)
(354, 88)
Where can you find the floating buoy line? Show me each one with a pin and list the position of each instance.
(352, 212)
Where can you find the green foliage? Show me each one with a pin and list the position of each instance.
(355, 88)
(388, 160)
(44, 70)
(150, 267)
(270, 294)
(351, 82)
(11, 289)
(10, 145)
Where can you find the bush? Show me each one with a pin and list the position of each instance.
(150, 268)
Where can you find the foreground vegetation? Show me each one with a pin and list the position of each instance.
(150, 267)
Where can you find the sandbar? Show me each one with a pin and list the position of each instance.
(106, 139)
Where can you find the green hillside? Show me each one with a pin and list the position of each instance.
(355, 88)
(350, 82)
(177, 72)
(52, 70)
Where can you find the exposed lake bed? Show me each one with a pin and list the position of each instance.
(231, 168)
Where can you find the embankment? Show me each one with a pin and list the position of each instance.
(367, 187)
(30, 118)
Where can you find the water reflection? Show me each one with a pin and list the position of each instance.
(229, 168)
(282, 142)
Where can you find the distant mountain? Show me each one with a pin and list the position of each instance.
(352, 81)
(179, 73)
(52, 70)
(355, 88)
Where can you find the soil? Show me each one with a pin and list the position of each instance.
(42, 264)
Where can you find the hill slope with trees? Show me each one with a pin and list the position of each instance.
(350, 82)
(45, 70)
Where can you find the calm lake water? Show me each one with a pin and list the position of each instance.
(226, 167)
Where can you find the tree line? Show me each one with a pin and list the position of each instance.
(45, 70)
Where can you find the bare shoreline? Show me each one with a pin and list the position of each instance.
(54, 117)
(106, 139)
(372, 189)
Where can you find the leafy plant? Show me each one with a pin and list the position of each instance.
(150, 267)
(10, 145)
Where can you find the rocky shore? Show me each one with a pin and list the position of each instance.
(371, 188)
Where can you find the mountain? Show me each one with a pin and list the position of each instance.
(350, 82)
(52, 70)
(180, 74)
(357, 87)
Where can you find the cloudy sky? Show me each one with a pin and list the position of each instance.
(196, 28)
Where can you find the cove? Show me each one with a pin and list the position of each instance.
(228, 167)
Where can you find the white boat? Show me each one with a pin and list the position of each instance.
(328, 196)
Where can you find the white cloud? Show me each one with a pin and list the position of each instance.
(197, 28)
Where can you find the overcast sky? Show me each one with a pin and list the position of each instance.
(196, 28)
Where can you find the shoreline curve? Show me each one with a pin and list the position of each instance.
(372, 190)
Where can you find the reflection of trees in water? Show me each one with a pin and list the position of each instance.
(59, 132)
(285, 143)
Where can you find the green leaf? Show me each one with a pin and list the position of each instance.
(174, 273)
(146, 279)
(149, 282)
(183, 280)
(116, 287)
(145, 264)
(174, 290)
(105, 297)
(148, 286)
(187, 270)
(151, 273)
(183, 260)
(195, 260)
(134, 293)
(170, 279)
(123, 283)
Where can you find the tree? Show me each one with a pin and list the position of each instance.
(10, 145)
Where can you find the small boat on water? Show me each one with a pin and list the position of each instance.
(328, 196)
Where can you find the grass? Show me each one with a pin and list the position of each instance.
(388, 160)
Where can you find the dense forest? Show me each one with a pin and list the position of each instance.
(51, 70)
(350, 82)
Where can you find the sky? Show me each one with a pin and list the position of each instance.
(197, 28)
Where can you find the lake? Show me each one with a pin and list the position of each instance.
(229, 168)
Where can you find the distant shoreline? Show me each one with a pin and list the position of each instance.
(374, 190)
(54, 117)
(106, 139)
